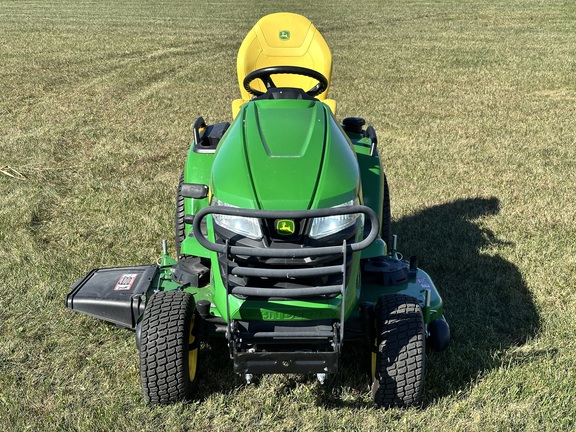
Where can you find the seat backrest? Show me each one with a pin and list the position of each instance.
(283, 39)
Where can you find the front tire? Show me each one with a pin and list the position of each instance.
(169, 348)
(399, 363)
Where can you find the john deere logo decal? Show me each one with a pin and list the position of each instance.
(285, 227)
(284, 35)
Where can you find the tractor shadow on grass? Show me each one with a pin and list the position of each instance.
(487, 304)
(486, 301)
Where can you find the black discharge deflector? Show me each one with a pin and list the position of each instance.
(116, 295)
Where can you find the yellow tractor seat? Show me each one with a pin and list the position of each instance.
(283, 39)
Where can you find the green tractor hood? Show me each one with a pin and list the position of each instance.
(285, 155)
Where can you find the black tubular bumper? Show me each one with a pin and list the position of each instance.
(284, 272)
(304, 272)
(298, 214)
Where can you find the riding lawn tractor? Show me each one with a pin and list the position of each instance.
(282, 232)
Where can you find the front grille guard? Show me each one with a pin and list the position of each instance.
(229, 251)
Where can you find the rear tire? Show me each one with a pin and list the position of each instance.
(399, 363)
(179, 225)
(169, 348)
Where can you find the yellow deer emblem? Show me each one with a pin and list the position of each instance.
(285, 227)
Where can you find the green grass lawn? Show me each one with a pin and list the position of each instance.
(475, 106)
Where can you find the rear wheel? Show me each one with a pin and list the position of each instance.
(179, 226)
(398, 365)
(169, 348)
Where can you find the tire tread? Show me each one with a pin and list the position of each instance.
(400, 358)
(164, 348)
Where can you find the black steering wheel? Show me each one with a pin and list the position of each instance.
(264, 75)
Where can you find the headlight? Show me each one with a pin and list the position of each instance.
(248, 227)
(325, 226)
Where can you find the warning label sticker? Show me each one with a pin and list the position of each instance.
(424, 283)
(125, 282)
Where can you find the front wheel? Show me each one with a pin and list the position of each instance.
(399, 362)
(169, 348)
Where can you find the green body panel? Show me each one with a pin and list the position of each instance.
(309, 162)
(190, 246)
(306, 163)
(416, 287)
(164, 280)
(198, 169)
(372, 187)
